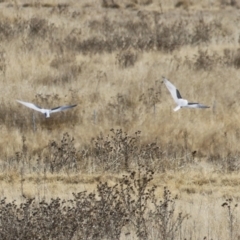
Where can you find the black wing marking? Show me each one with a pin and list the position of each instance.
(55, 108)
(192, 103)
(178, 94)
(61, 108)
(198, 105)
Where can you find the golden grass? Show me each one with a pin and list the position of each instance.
(31, 72)
(188, 185)
(37, 67)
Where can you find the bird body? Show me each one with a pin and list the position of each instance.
(182, 103)
(46, 112)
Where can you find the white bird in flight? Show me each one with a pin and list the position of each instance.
(182, 103)
(46, 112)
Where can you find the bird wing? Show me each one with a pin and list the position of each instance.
(31, 105)
(197, 105)
(173, 90)
(61, 108)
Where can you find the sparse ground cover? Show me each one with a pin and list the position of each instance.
(108, 57)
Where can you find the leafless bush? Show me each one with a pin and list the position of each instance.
(126, 58)
(93, 216)
(229, 2)
(144, 2)
(135, 195)
(62, 155)
(18, 26)
(123, 151)
(151, 96)
(202, 32)
(38, 27)
(204, 61)
(6, 30)
(60, 8)
(231, 218)
(185, 4)
(142, 35)
(114, 153)
(226, 162)
(109, 4)
(171, 36)
(236, 59)
(3, 61)
(163, 216)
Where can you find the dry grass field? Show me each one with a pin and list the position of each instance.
(105, 169)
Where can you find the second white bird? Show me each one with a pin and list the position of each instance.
(182, 103)
(46, 112)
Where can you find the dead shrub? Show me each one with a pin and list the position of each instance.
(171, 37)
(114, 152)
(62, 155)
(203, 61)
(143, 35)
(168, 227)
(109, 4)
(204, 31)
(6, 30)
(184, 4)
(99, 215)
(3, 61)
(126, 58)
(231, 208)
(236, 59)
(144, 2)
(151, 96)
(37, 26)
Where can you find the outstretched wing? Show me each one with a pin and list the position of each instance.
(197, 105)
(30, 105)
(59, 109)
(173, 90)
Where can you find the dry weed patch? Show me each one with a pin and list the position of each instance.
(112, 207)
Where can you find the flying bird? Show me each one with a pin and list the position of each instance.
(46, 112)
(182, 103)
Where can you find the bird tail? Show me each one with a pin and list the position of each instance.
(176, 108)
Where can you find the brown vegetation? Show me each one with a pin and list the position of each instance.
(108, 57)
